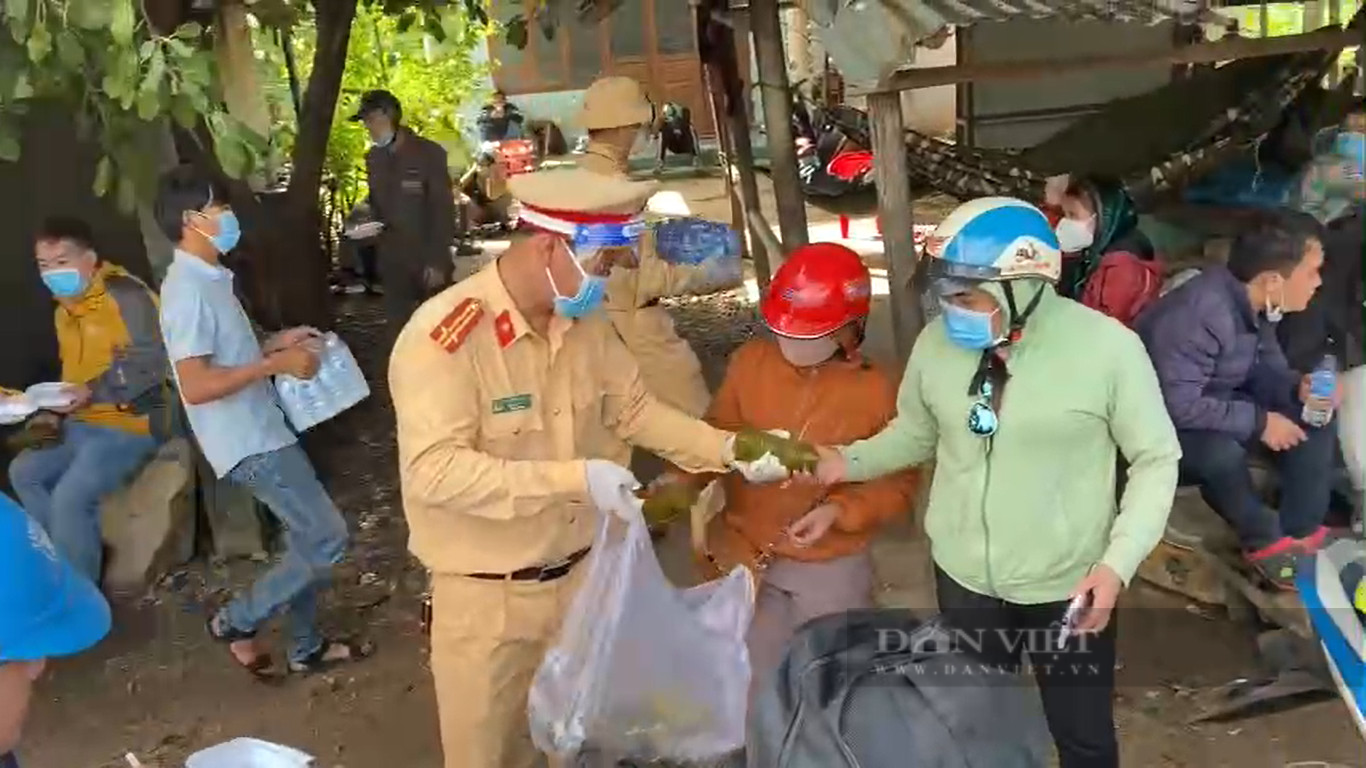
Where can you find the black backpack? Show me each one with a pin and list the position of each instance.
(881, 689)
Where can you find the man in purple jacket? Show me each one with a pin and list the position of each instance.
(1228, 388)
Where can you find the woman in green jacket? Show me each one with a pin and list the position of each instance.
(1025, 400)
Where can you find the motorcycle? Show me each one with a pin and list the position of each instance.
(832, 148)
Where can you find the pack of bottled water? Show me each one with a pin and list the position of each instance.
(691, 240)
(339, 385)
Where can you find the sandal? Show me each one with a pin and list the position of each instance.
(331, 653)
(261, 667)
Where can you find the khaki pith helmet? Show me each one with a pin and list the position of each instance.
(615, 102)
(577, 190)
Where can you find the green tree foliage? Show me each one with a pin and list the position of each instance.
(431, 74)
(119, 77)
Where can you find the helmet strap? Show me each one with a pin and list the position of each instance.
(852, 349)
(991, 367)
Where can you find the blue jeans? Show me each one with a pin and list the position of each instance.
(1218, 464)
(315, 540)
(61, 486)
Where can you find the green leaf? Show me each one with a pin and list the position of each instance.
(89, 14)
(189, 29)
(39, 44)
(16, 10)
(9, 141)
(156, 71)
(231, 156)
(23, 89)
(70, 52)
(184, 112)
(122, 22)
(104, 172)
(127, 197)
(148, 104)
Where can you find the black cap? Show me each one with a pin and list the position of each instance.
(375, 101)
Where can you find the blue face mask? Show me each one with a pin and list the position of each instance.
(64, 283)
(968, 328)
(592, 290)
(229, 232)
(1352, 145)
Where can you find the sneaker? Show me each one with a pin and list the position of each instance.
(1321, 538)
(1278, 562)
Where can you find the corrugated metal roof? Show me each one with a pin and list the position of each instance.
(868, 39)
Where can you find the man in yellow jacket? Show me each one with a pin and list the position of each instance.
(114, 366)
(615, 113)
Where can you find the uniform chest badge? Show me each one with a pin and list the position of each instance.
(452, 331)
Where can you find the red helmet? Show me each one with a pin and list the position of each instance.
(821, 288)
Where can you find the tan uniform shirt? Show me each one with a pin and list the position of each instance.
(671, 369)
(495, 422)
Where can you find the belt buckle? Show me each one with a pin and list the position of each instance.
(542, 574)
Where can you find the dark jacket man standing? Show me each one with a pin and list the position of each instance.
(411, 195)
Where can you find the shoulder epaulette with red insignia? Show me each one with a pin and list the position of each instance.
(452, 331)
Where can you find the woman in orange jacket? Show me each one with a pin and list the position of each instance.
(808, 545)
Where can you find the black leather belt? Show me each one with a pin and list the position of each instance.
(536, 572)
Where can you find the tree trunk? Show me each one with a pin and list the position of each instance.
(295, 262)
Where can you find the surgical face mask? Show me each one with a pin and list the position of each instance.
(1352, 146)
(592, 291)
(804, 353)
(64, 283)
(229, 232)
(1076, 235)
(969, 328)
(384, 140)
(1275, 312)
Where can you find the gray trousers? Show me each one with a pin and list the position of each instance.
(793, 592)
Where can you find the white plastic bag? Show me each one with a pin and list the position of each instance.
(643, 669)
(249, 753)
(339, 385)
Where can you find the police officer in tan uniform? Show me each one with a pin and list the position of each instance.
(511, 388)
(615, 112)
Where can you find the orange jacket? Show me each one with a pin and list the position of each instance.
(833, 404)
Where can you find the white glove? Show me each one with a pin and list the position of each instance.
(765, 469)
(610, 485)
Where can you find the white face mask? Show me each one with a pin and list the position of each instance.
(1076, 235)
(1275, 312)
(804, 353)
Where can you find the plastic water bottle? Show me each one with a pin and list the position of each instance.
(1318, 407)
(693, 241)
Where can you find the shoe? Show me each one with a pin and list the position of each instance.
(1278, 562)
(1323, 537)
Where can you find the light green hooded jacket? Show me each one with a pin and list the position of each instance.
(1024, 515)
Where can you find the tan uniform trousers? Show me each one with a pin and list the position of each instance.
(488, 638)
(792, 593)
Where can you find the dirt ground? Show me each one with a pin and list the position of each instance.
(160, 690)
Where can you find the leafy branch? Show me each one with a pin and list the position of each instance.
(120, 77)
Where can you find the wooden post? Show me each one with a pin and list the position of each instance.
(740, 150)
(895, 216)
(716, 105)
(782, 150)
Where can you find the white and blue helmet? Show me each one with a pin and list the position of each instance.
(994, 239)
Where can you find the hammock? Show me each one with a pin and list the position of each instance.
(1155, 142)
